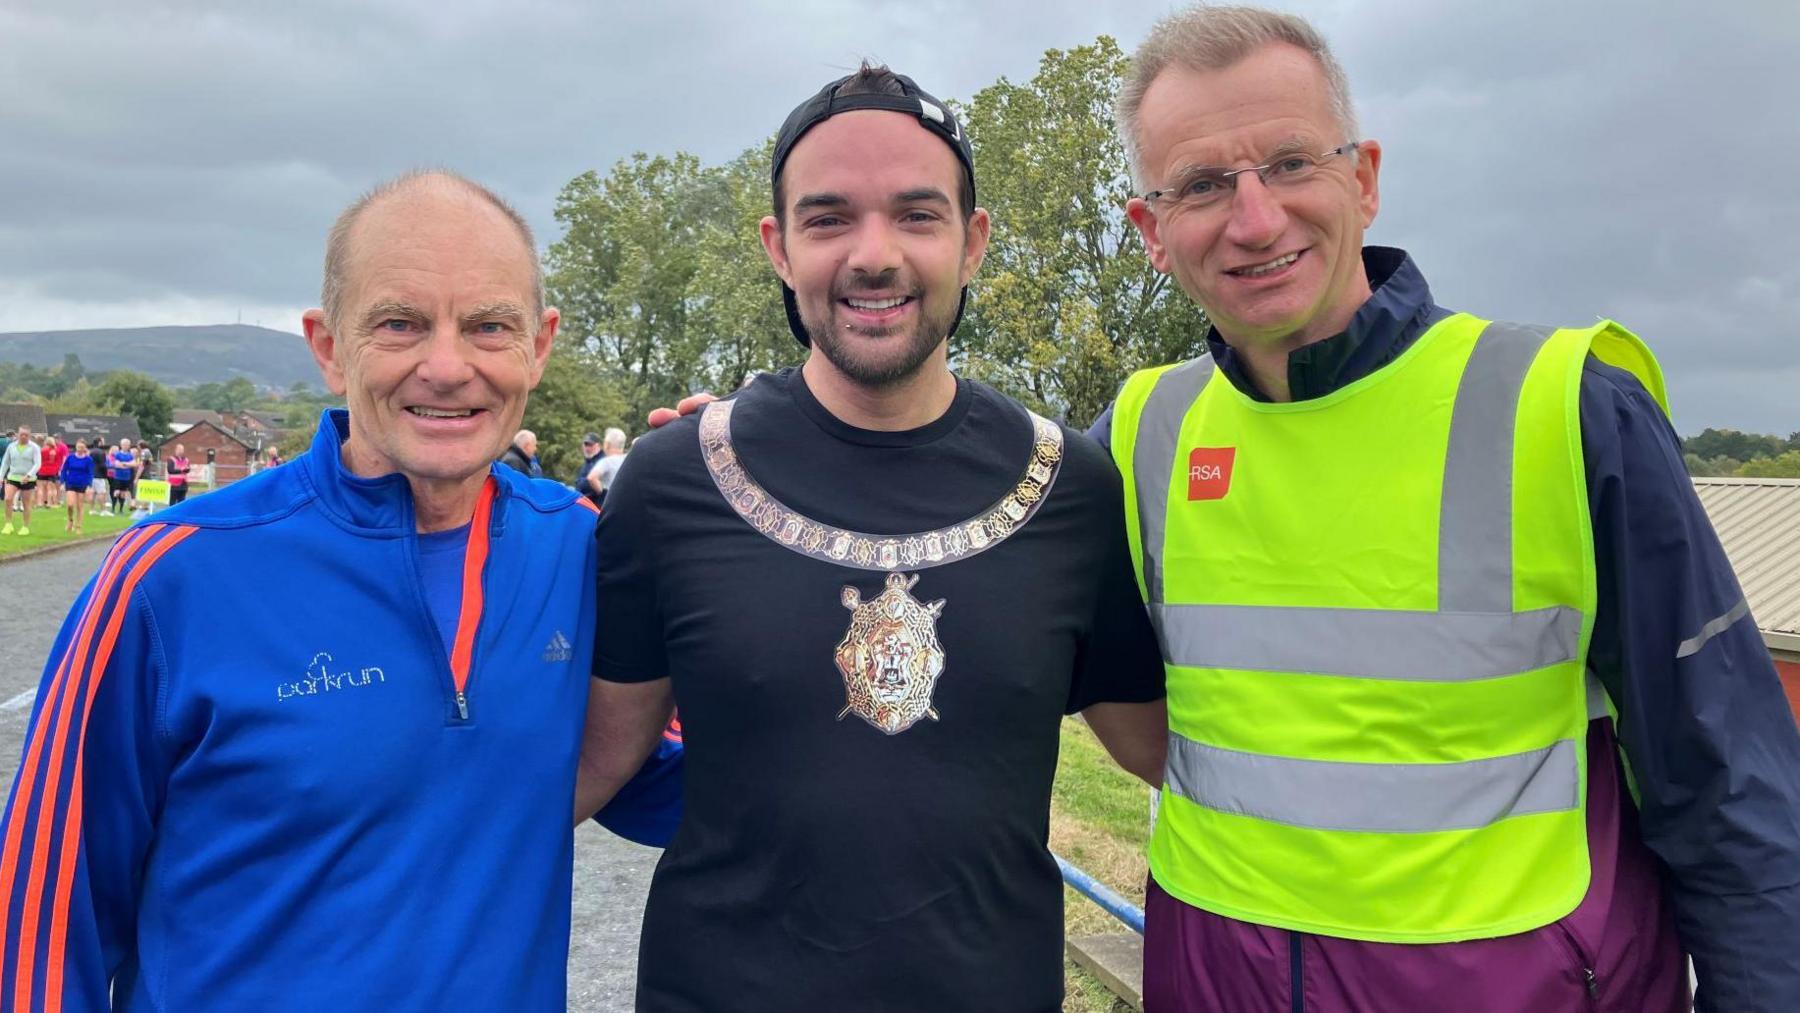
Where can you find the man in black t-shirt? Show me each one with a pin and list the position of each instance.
(874, 589)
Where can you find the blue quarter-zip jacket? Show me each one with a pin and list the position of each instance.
(248, 782)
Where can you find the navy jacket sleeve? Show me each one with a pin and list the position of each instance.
(1101, 430)
(1710, 740)
(81, 813)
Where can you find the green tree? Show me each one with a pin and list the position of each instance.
(1785, 465)
(140, 397)
(234, 395)
(295, 442)
(237, 394)
(1723, 443)
(573, 398)
(67, 376)
(200, 395)
(1067, 304)
(81, 398)
(735, 308)
(622, 271)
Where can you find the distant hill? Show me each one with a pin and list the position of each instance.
(177, 356)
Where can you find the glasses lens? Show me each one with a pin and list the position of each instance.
(1200, 189)
(1290, 169)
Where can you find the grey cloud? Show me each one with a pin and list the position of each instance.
(1545, 160)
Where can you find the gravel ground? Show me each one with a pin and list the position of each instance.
(611, 874)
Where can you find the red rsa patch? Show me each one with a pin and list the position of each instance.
(1209, 472)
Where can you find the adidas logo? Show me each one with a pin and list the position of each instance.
(559, 648)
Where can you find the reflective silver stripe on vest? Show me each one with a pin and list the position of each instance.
(1153, 460)
(1596, 697)
(1474, 634)
(1475, 527)
(1367, 643)
(1376, 797)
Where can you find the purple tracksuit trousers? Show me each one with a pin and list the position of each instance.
(1617, 951)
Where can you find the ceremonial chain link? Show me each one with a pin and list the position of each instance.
(809, 537)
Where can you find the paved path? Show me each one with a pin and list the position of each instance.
(611, 875)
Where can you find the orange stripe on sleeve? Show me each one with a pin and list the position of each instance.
(49, 714)
(71, 837)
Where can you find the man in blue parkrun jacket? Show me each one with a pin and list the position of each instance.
(365, 806)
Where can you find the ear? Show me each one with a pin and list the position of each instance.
(1144, 217)
(975, 243)
(324, 347)
(770, 231)
(1368, 180)
(543, 342)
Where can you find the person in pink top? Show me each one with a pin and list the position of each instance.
(177, 468)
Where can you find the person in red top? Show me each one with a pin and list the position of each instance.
(48, 488)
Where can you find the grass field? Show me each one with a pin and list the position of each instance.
(47, 529)
(1100, 820)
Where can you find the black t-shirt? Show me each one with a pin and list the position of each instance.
(883, 849)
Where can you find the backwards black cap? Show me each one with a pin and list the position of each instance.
(933, 115)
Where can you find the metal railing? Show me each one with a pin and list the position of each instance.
(1101, 894)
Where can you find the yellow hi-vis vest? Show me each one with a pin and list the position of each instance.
(1374, 610)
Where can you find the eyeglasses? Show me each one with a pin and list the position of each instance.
(1205, 188)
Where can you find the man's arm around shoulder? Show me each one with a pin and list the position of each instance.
(624, 722)
(1135, 734)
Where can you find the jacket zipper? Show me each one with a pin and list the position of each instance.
(468, 624)
(1589, 980)
(1296, 980)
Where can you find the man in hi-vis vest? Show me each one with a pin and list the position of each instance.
(1466, 710)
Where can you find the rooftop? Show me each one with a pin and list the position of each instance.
(1758, 520)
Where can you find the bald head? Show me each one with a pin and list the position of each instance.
(422, 185)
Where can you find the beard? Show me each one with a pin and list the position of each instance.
(900, 356)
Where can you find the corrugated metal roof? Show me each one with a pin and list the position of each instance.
(1758, 520)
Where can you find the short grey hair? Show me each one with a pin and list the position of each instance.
(1205, 37)
(615, 437)
(337, 243)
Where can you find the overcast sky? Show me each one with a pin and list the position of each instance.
(1546, 160)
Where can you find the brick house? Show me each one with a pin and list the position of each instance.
(206, 443)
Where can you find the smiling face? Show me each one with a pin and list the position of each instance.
(1269, 264)
(873, 244)
(440, 339)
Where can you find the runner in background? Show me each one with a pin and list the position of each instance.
(120, 469)
(77, 477)
(19, 467)
(52, 453)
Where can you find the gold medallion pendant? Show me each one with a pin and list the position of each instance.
(890, 656)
